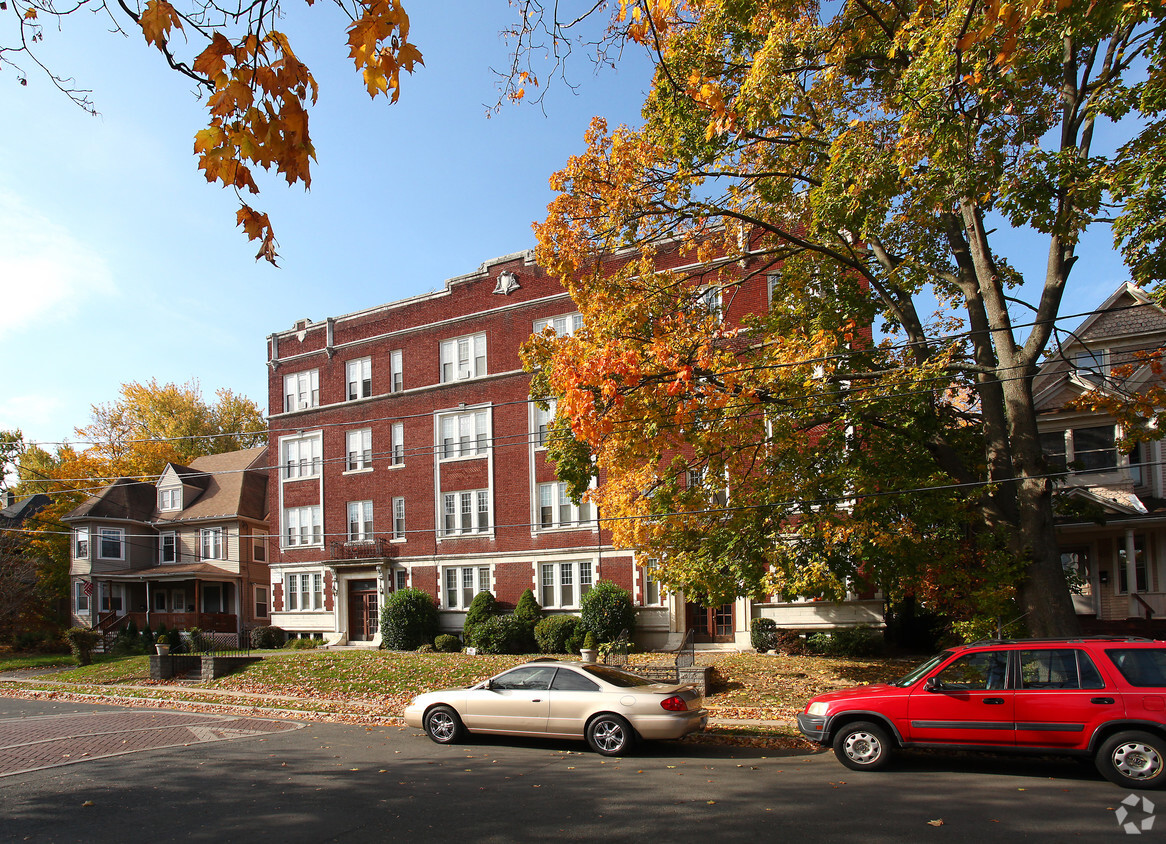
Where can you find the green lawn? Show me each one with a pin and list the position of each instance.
(15, 662)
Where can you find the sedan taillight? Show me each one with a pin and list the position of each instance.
(674, 704)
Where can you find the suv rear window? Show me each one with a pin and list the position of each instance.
(1140, 666)
(1059, 668)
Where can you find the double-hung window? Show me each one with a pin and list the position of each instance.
(465, 512)
(708, 300)
(562, 325)
(463, 583)
(360, 521)
(210, 543)
(304, 591)
(396, 372)
(170, 499)
(301, 390)
(81, 591)
(397, 444)
(261, 603)
(359, 449)
(556, 510)
(399, 517)
(464, 434)
(1095, 448)
(302, 456)
(359, 378)
(302, 526)
(564, 584)
(81, 543)
(652, 591)
(402, 579)
(542, 424)
(168, 547)
(111, 544)
(463, 358)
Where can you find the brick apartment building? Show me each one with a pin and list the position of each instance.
(409, 454)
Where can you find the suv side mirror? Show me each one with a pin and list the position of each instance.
(932, 684)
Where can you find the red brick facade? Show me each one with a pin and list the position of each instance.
(487, 473)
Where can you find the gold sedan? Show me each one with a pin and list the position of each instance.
(610, 708)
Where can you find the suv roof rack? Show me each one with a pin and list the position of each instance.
(1098, 638)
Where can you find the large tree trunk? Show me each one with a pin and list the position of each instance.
(1044, 592)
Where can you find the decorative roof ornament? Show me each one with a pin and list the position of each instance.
(507, 283)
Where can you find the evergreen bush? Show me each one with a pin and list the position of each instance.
(483, 606)
(500, 634)
(607, 610)
(527, 613)
(555, 634)
(82, 641)
(268, 638)
(408, 620)
(763, 634)
(447, 644)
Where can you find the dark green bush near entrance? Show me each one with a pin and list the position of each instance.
(607, 610)
(408, 620)
(128, 643)
(500, 634)
(268, 638)
(854, 641)
(82, 641)
(528, 613)
(483, 606)
(763, 634)
(301, 644)
(447, 644)
(558, 634)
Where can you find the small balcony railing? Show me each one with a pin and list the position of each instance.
(370, 549)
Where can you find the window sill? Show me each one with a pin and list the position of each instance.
(398, 540)
(485, 534)
(363, 471)
(300, 478)
(462, 457)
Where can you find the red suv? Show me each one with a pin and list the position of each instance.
(1103, 698)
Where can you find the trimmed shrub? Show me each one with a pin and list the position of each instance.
(528, 613)
(447, 644)
(500, 634)
(556, 633)
(789, 642)
(483, 606)
(589, 643)
(607, 610)
(268, 638)
(854, 642)
(82, 641)
(763, 634)
(301, 644)
(427, 648)
(408, 620)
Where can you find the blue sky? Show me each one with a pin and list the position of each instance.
(118, 262)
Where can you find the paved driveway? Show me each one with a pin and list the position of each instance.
(30, 743)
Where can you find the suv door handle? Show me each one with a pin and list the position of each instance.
(994, 700)
(1101, 700)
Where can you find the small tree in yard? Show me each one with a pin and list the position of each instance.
(528, 613)
(483, 606)
(408, 620)
(607, 610)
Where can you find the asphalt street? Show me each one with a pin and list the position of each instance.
(246, 781)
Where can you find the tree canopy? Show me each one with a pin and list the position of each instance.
(866, 156)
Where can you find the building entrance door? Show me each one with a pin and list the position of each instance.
(711, 624)
(363, 610)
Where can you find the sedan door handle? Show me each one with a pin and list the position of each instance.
(536, 700)
(1101, 700)
(994, 700)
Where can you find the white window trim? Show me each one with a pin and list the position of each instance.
(162, 537)
(294, 388)
(314, 598)
(478, 444)
(476, 497)
(450, 354)
(315, 513)
(121, 543)
(399, 534)
(537, 417)
(363, 511)
(80, 535)
(396, 445)
(572, 322)
(218, 545)
(396, 371)
(362, 369)
(557, 500)
(266, 602)
(554, 598)
(364, 461)
(459, 587)
(79, 596)
(170, 499)
(312, 467)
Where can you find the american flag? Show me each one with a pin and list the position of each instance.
(87, 588)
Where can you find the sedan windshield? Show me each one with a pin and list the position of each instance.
(615, 677)
(908, 679)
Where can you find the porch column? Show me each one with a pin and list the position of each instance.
(1131, 571)
(239, 587)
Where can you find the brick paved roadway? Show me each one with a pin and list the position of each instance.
(29, 744)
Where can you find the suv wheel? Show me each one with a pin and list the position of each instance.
(863, 746)
(1133, 760)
